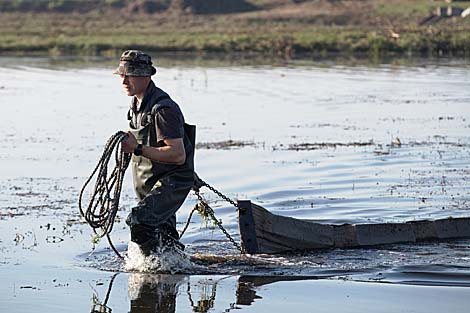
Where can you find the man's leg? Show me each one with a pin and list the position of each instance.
(153, 221)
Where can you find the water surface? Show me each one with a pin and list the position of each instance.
(328, 142)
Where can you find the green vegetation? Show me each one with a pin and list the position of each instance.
(275, 27)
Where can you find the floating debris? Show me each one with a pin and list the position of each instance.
(321, 145)
(54, 239)
(227, 144)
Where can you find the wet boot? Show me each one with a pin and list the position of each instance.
(144, 237)
(150, 240)
(170, 237)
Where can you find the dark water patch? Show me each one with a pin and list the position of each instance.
(440, 143)
(228, 144)
(10, 214)
(322, 145)
(329, 125)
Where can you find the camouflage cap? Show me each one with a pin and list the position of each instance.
(135, 63)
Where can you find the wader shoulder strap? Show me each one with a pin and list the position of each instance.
(153, 110)
(190, 130)
(149, 115)
(158, 104)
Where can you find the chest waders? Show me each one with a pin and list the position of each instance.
(161, 188)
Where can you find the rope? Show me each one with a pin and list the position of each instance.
(196, 208)
(104, 201)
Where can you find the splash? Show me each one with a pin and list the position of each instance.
(165, 260)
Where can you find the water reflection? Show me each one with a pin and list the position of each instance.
(206, 300)
(101, 307)
(165, 293)
(152, 293)
(247, 286)
(212, 60)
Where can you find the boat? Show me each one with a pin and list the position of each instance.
(263, 232)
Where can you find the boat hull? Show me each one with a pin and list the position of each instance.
(264, 232)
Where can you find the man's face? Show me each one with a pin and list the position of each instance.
(134, 85)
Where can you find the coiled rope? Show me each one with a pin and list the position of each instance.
(103, 204)
(104, 200)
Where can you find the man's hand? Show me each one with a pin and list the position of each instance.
(171, 153)
(129, 144)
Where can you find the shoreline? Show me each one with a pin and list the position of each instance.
(218, 59)
(274, 46)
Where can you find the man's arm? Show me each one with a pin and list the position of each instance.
(172, 153)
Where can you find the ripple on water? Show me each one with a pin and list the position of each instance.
(436, 263)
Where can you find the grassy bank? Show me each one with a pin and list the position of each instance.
(277, 27)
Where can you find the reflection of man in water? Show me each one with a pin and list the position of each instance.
(162, 160)
(153, 293)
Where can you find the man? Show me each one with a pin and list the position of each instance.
(162, 148)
